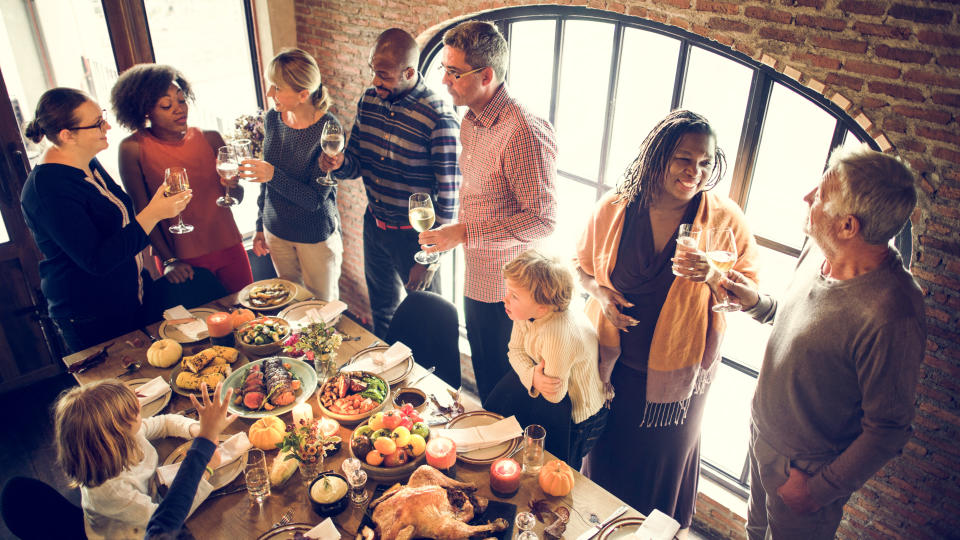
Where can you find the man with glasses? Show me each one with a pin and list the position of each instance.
(403, 141)
(835, 397)
(508, 199)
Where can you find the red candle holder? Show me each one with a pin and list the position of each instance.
(442, 454)
(505, 477)
(220, 328)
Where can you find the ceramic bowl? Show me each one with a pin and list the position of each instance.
(334, 508)
(265, 348)
(413, 396)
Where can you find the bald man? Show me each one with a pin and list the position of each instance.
(404, 141)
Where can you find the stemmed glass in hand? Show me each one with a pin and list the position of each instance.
(175, 179)
(421, 218)
(722, 254)
(227, 167)
(331, 140)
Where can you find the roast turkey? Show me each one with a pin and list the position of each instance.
(431, 505)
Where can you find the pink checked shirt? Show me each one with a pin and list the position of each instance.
(507, 197)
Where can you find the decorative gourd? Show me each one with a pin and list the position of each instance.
(267, 432)
(164, 353)
(240, 316)
(556, 478)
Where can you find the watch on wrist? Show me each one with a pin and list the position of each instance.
(170, 261)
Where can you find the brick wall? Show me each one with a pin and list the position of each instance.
(894, 66)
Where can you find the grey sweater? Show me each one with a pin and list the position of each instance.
(839, 375)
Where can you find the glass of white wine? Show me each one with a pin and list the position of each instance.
(722, 255)
(421, 218)
(331, 140)
(227, 167)
(175, 179)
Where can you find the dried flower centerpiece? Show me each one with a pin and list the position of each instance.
(306, 443)
(250, 126)
(318, 343)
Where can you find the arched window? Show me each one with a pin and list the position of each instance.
(604, 80)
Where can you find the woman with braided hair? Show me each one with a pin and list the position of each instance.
(659, 339)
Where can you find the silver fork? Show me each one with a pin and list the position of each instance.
(284, 519)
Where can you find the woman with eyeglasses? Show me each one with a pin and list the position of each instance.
(84, 224)
(152, 101)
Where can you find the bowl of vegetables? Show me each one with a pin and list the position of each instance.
(352, 396)
(262, 336)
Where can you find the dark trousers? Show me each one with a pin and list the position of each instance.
(387, 260)
(511, 398)
(488, 330)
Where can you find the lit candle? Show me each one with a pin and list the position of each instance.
(220, 327)
(441, 453)
(505, 478)
(302, 411)
(328, 426)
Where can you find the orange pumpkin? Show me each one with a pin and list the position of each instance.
(556, 478)
(267, 432)
(240, 316)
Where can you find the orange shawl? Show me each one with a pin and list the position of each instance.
(686, 340)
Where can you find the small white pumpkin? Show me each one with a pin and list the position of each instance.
(164, 353)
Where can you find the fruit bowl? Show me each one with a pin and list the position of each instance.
(385, 473)
(351, 419)
(250, 328)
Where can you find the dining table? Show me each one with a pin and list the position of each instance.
(232, 514)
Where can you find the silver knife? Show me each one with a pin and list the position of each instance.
(592, 531)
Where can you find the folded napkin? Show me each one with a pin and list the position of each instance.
(325, 530)
(230, 450)
(152, 390)
(325, 314)
(477, 437)
(656, 526)
(380, 361)
(192, 329)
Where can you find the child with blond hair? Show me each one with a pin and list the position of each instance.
(104, 448)
(553, 352)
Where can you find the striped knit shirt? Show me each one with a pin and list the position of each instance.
(405, 146)
(507, 201)
(293, 206)
(566, 343)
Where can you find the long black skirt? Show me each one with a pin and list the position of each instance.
(647, 467)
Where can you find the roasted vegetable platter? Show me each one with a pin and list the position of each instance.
(352, 396)
(270, 387)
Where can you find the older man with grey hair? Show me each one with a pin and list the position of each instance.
(835, 397)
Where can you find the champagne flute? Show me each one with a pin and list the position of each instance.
(331, 140)
(227, 167)
(722, 254)
(421, 218)
(175, 179)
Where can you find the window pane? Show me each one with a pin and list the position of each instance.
(718, 88)
(851, 140)
(643, 95)
(531, 64)
(725, 434)
(575, 203)
(746, 339)
(218, 68)
(790, 161)
(582, 100)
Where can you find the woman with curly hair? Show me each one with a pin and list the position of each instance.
(659, 339)
(298, 223)
(152, 101)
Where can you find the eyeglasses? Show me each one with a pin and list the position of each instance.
(98, 125)
(455, 75)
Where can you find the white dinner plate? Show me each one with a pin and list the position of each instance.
(170, 331)
(488, 455)
(222, 476)
(155, 406)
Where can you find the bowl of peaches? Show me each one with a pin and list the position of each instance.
(391, 444)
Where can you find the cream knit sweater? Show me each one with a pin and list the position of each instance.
(567, 343)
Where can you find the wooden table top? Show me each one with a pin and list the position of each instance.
(234, 517)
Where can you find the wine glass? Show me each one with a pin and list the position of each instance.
(525, 522)
(422, 218)
(722, 254)
(175, 179)
(227, 167)
(331, 140)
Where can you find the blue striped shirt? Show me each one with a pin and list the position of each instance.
(406, 146)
